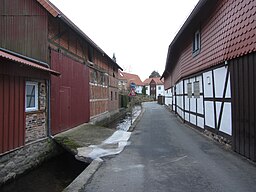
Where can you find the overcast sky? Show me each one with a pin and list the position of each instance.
(137, 31)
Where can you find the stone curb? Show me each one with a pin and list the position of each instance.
(80, 182)
(132, 127)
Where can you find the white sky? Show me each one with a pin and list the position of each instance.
(137, 31)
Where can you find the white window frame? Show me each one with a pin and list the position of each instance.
(196, 42)
(35, 108)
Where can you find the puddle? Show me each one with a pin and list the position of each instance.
(125, 122)
(53, 175)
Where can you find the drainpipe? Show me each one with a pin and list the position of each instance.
(49, 108)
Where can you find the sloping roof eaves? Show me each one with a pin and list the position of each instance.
(29, 62)
(188, 24)
(157, 80)
(55, 12)
(132, 78)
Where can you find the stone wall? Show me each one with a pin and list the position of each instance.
(36, 123)
(15, 163)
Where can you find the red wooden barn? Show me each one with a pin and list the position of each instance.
(210, 72)
(39, 33)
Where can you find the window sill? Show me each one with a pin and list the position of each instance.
(196, 52)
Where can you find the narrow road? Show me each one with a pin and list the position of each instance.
(166, 155)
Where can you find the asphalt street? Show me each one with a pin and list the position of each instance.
(167, 155)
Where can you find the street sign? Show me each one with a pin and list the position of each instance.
(133, 85)
(132, 93)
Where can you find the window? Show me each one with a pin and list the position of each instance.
(31, 100)
(90, 53)
(196, 89)
(189, 90)
(111, 96)
(196, 43)
(159, 88)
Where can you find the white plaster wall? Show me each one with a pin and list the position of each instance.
(147, 90)
(139, 89)
(168, 97)
(186, 103)
(219, 81)
(193, 104)
(161, 91)
(226, 123)
(193, 119)
(228, 92)
(200, 122)
(209, 114)
(208, 83)
(200, 105)
(187, 117)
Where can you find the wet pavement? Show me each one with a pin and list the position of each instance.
(166, 155)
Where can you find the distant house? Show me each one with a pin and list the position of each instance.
(154, 87)
(38, 40)
(125, 79)
(209, 72)
(122, 83)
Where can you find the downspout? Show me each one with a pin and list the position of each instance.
(49, 109)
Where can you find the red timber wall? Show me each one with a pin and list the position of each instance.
(228, 33)
(113, 89)
(12, 102)
(23, 28)
(69, 93)
(103, 86)
(64, 39)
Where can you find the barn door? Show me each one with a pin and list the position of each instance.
(64, 108)
(243, 94)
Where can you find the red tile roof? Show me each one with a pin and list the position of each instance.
(15, 58)
(228, 31)
(156, 79)
(131, 78)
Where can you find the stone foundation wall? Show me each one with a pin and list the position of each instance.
(36, 123)
(218, 138)
(15, 163)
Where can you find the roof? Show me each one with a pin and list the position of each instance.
(131, 78)
(156, 79)
(55, 12)
(227, 31)
(12, 56)
(199, 8)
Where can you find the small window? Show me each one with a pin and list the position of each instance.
(90, 53)
(159, 88)
(189, 90)
(31, 100)
(196, 89)
(111, 96)
(196, 42)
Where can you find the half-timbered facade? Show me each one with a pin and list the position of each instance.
(53, 77)
(209, 72)
(154, 87)
(87, 86)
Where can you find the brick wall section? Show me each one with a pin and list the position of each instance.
(36, 122)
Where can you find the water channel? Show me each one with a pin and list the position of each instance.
(53, 175)
(57, 173)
